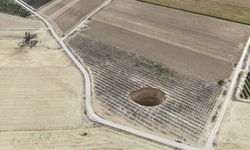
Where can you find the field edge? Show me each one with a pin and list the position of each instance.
(195, 12)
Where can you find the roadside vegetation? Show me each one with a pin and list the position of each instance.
(10, 7)
(232, 10)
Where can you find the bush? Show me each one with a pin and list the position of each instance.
(221, 82)
(214, 117)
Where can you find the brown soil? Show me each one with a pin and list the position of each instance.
(198, 45)
(148, 96)
(67, 14)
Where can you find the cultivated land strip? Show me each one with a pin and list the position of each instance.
(167, 54)
(36, 4)
(173, 38)
(189, 101)
(14, 22)
(65, 15)
(55, 6)
(231, 10)
(62, 9)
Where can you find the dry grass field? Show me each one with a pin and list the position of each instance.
(40, 87)
(233, 10)
(9, 21)
(190, 43)
(65, 14)
(96, 138)
(234, 132)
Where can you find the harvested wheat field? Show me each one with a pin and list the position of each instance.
(66, 14)
(9, 21)
(190, 43)
(86, 138)
(234, 132)
(40, 88)
(233, 10)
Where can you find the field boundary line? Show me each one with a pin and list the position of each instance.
(195, 12)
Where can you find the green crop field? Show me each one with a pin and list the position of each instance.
(233, 10)
(10, 7)
(37, 3)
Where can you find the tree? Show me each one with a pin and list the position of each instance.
(221, 82)
(29, 40)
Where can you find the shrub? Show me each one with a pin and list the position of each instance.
(221, 82)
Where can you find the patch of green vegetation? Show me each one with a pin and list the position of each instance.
(214, 117)
(218, 9)
(12, 8)
(158, 68)
(37, 3)
(221, 82)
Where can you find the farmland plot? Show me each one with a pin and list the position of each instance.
(66, 14)
(179, 53)
(232, 10)
(41, 89)
(202, 46)
(189, 101)
(37, 3)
